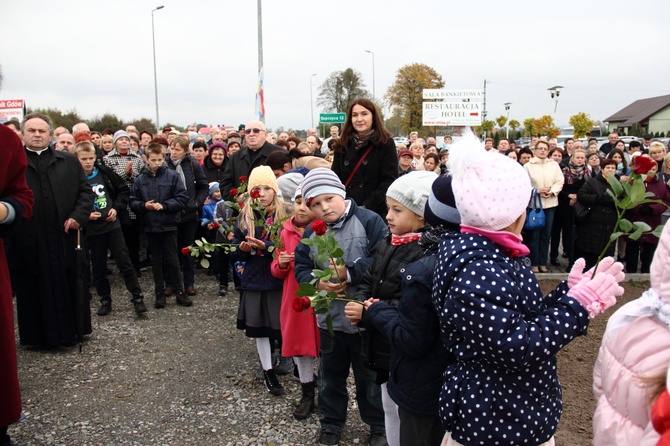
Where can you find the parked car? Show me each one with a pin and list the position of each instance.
(400, 140)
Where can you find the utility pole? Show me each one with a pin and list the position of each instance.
(260, 50)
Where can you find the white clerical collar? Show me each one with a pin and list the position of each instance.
(39, 152)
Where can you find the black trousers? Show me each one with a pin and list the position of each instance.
(131, 235)
(163, 248)
(644, 250)
(114, 242)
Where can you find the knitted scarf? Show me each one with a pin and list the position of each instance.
(361, 141)
(403, 239)
(179, 169)
(510, 243)
(576, 173)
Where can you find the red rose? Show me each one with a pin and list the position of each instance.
(301, 303)
(319, 227)
(215, 225)
(255, 194)
(185, 251)
(243, 179)
(643, 164)
(241, 205)
(233, 192)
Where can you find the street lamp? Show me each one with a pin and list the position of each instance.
(555, 92)
(373, 72)
(311, 100)
(153, 36)
(507, 104)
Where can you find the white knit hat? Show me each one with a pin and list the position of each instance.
(491, 190)
(412, 190)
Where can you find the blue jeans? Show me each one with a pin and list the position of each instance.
(338, 353)
(538, 240)
(185, 237)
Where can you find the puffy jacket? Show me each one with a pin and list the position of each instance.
(505, 334)
(369, 185)
(418, 356)
(382, 281)
(197, 187)
(358, 234)
(164, 187)
(636, 345)
(594, 231)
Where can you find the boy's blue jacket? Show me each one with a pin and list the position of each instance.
(358, 233)
(164, 187)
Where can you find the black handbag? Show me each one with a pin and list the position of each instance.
(581, 211)
(535, 218)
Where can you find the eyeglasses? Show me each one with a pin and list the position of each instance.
(255, 131)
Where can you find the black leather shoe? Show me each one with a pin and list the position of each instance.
(555, 262)
(105, 308)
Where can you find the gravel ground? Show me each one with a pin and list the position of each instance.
(186, 376)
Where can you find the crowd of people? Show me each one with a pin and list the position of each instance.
(446, 317)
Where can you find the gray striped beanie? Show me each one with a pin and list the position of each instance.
(321, 181)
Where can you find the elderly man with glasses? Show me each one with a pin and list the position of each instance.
(242, 162)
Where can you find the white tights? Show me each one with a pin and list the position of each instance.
(391, 418)
(264, 352)
(305, 368)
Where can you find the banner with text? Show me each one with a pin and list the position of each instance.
(452, 113)
(12, 108)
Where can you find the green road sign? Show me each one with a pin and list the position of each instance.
(332, 118)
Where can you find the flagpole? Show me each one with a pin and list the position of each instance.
(260, 111)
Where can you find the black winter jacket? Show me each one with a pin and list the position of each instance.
(164, 187)
(418, 356)
(369, 185)
(382, 281)
(197, 187)
(240, 164)
(594, 231)
(118, 191)
(212, 172)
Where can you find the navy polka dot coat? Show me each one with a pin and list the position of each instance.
(503, 388)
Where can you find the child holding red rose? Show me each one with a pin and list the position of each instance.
(210, 228)
(300, 334)
(261, 293)
(358, 232)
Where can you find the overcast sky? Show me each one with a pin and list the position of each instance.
(96, 57)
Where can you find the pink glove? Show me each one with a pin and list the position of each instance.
(598, 294)
(607, 266)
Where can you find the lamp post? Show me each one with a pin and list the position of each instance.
(507, 104)
(555, 92)
(153, 36)
(311, 100)
(373, 72)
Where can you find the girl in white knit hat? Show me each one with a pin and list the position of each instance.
(503, 389)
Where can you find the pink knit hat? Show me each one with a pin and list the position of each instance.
(659, 272)
(491, 190)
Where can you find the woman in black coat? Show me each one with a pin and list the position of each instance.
(594, 231)
(367, 144)
(215, 162)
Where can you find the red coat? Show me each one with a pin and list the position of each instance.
(13, 190)
(300, 334)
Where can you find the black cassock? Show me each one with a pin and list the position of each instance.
(42, 256)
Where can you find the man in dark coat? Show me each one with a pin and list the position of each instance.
(242, 162)
(42, 255)
(16, 202)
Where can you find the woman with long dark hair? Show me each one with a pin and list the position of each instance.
(365, 157)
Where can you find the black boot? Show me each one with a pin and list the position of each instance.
(272, 383)
(138, 303)
(306, 405)
(105, 307)
(160, 301)
(223, 290)
(184, 300)
(4, 438)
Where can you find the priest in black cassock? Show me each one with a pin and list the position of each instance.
(42, 254)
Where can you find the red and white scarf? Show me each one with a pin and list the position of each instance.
(403, 239)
